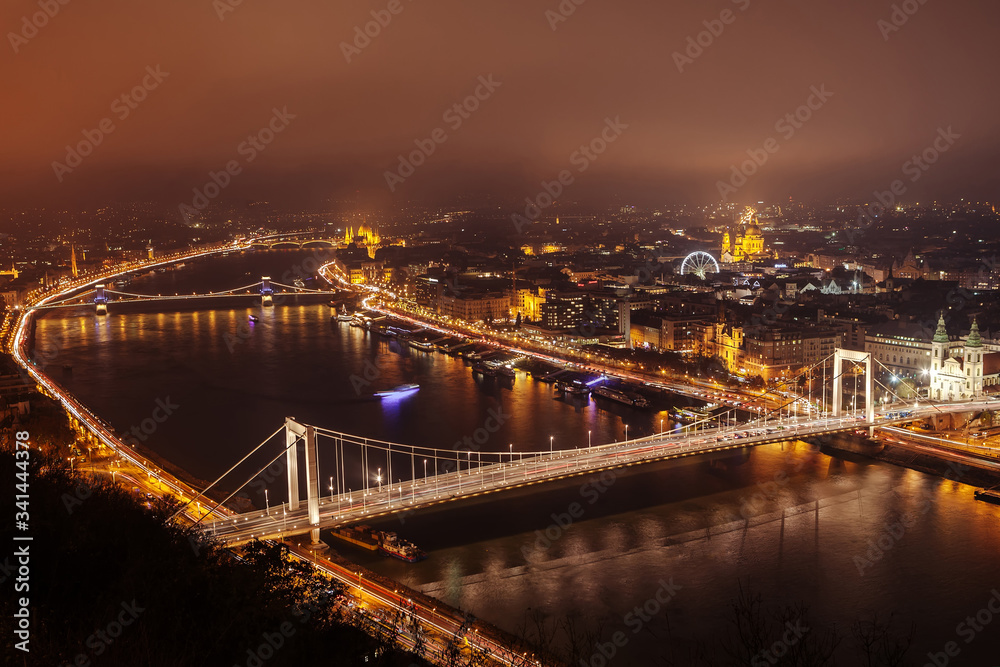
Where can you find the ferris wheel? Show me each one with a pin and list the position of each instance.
(699, 263)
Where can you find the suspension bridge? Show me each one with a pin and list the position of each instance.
(101, 296)
(363, 478)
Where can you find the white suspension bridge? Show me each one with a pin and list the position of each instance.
(365, 478)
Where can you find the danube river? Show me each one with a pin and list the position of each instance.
(791, 523)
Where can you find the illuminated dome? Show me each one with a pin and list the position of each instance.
(753, 230)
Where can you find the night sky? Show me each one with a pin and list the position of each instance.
(893, 87)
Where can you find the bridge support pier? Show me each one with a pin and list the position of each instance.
(293, 432)
(839, 356)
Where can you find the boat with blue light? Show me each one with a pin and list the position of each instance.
(398, 391)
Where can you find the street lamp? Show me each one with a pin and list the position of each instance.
(378, 478)
(331, 488)
(589, 439)
(267, 503)
(551, 439)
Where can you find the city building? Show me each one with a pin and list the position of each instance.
(474, 307)
(902, 347)
(910, 268)
(744, 242)
(526, 302)
(778, 351)
(772, 351)
(563, 310)
(663, 333)
(961, 371)
(366, 237)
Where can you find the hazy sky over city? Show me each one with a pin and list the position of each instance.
(893, 86)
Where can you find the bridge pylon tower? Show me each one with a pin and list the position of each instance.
(266, 291)
(839, 357)
(101, 299)
(293, 432)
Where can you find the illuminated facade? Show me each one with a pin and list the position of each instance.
(366, 237)
(527, 303)
(966, 374)
(744, 242)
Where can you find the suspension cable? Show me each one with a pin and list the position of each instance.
(205, 490)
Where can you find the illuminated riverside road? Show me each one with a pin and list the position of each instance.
(439, 625)
(97, 426)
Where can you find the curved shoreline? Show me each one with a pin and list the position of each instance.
(23, 334)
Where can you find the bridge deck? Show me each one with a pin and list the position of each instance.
(534, 469)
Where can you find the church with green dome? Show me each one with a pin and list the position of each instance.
(963, 368)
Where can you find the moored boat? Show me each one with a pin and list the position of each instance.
(393, 545)
(988, 496)
(484, 369)
(633, 400)
(362, 536)
(688, 415)
(389, 544)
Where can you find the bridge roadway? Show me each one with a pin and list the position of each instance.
(76, 302)
(280, 521)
